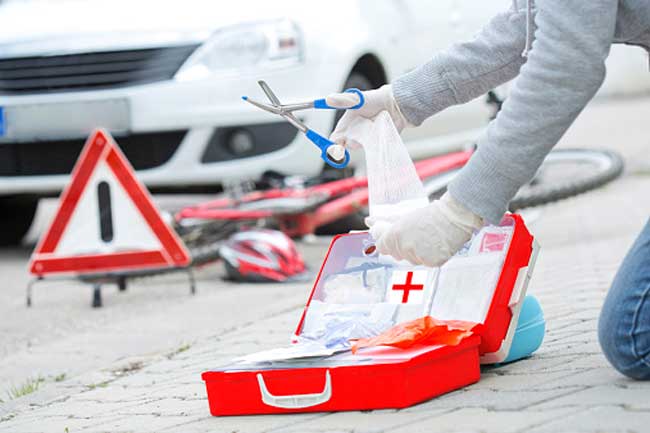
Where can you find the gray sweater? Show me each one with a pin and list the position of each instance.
(559, 76)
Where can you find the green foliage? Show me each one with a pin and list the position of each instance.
(30, 385)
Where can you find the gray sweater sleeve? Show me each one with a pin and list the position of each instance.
(564, 69)
(465, 71)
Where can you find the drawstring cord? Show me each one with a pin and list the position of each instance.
(529, 25)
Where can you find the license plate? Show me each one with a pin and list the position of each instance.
(66, 120)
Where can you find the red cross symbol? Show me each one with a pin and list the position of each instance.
(407, 287)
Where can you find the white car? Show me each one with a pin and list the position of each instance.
(166, 78)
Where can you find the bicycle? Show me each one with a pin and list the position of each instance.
(300, 206)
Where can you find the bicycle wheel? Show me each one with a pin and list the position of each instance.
(203, 238)
(436, 186)
(566, 173)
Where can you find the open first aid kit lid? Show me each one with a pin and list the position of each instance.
(484, 283)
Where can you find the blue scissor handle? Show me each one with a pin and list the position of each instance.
(323, 143)
(322, 103)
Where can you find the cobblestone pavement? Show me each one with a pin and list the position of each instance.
(129, 373)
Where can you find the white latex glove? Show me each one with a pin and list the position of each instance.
(376, 101)
(426, 236)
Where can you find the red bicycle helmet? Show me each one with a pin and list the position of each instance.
(262, 256)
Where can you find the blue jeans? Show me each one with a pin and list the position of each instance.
(624, 326)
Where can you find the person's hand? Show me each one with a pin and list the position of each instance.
(426, 236)
(375, 101)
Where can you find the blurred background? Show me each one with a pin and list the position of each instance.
(166, 77)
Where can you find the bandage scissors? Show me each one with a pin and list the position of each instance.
(333, 154)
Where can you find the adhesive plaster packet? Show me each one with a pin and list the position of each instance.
(466, 286)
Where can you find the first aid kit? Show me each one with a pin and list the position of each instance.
(358, 295)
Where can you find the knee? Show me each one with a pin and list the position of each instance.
(615, 347)
(625, 345)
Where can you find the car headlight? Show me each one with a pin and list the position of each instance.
(265, 44)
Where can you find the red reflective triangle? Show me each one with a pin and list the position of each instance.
(101, 149)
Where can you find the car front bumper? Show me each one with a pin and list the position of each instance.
(184, 126)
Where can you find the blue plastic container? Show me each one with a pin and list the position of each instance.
(530, 330)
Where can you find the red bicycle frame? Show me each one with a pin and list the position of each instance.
(323, 203)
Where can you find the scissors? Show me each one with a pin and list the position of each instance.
(333, 154)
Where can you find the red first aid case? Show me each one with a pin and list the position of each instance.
(484, 283)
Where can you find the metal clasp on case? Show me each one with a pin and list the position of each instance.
(295, 401)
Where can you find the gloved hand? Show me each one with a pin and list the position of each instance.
(426, 236)
(376, 101)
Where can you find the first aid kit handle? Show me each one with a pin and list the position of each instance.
(323, 144)
(297, 401)
(322, 103)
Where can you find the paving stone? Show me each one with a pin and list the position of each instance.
(82, 409)
(605, 376)
(589, 361)
(201, 425)
(540, 363)
(167, 407)
(141, 423)
(244, 424)
(360, 422)
(610, 419)
(113, 393)
(481, 420)
(494, 399)
(57, 424)
(604, 395)
(506, 381)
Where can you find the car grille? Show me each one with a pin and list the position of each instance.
(147, 150)
(68, 72)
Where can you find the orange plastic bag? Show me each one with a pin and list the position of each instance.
(425, 330)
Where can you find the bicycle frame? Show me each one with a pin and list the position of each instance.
(299, 212)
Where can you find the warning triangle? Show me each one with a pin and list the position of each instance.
(106, 220)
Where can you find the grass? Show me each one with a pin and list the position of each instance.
(185, 347)
(8, 417)
(31, 384)
(128, 369)
(59, 377)
(103, 384)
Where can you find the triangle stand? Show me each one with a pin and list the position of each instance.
(97, 281)
(107, 228)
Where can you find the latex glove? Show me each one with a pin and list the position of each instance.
(426, 236)
(376, 101)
